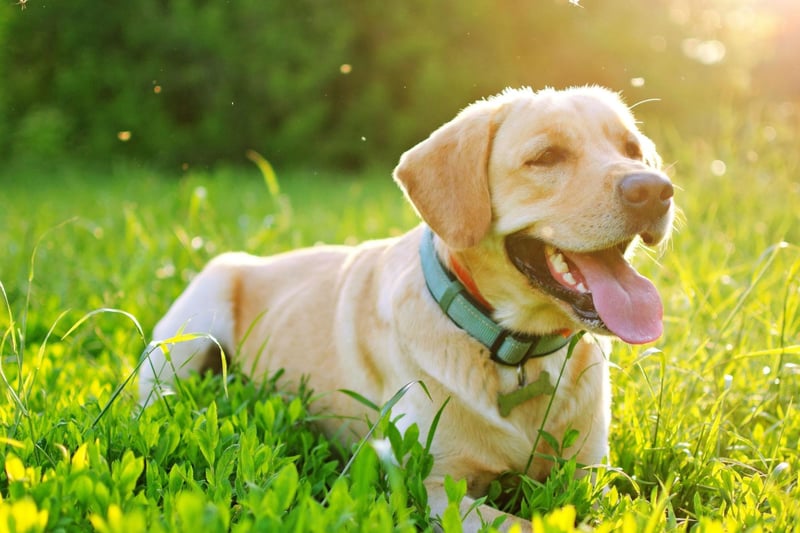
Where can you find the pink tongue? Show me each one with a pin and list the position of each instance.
(627, 302)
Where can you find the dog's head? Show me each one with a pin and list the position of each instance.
(540, 195)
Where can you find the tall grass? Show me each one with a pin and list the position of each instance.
(705, 433)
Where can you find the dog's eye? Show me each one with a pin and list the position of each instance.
(633, 150)
(548, 157)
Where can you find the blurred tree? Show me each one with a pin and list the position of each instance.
(347, 83)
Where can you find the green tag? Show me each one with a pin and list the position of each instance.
(507, 402)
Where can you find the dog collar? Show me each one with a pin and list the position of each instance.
(506, 347)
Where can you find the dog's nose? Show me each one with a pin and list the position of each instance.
(646, 193)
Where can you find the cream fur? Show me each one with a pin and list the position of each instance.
(361, 318)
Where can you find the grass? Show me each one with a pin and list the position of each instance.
(705, 434)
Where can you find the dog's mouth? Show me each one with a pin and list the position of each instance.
(604, 291)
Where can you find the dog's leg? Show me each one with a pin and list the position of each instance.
(200, 321)
(474, 517)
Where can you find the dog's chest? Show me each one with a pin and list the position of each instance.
(555, 406)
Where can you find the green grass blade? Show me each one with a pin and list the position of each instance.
(268, 173)
(90, 314)
(384, 411)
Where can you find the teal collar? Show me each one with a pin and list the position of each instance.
(506, 347)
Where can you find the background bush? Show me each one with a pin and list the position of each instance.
(346, 83)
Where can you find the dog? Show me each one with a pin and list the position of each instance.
(530, 204)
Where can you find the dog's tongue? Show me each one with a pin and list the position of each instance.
(627, 302)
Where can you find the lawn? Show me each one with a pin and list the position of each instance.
(705, 434)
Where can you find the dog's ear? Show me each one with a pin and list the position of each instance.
(445, 177)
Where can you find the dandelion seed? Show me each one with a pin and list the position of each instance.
(718, 167)
(792, 368)
(705, 52)
(728, 380)
(166, 271)
(637, 82)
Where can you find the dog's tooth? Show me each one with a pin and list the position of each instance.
(569, 278)
(559, 263)
(582, 288)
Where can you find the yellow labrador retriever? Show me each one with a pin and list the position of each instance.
(530, 201)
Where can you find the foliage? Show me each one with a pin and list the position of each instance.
(345, 84)
(245, 461)
(705, 434)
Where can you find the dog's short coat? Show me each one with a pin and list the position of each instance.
(535, 197)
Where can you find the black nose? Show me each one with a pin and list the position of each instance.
(646, 194)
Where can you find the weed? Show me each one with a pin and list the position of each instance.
(705, 432)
